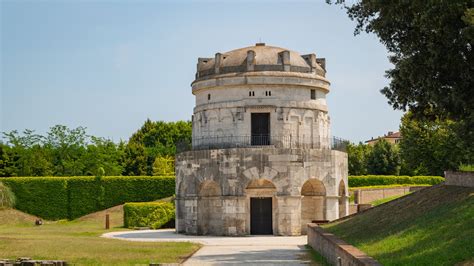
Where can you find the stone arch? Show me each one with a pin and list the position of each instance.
(313, 202)
(209, 188)
(209, 208)
(260, 183)
(342, 193)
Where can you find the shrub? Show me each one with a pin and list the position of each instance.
(71, 197)
(148, 214)
(46, 197)
(380, 180)
(7, 198)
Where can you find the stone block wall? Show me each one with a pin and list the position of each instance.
(368, 195)
(463, 179)
(230, 177)
(335, 250)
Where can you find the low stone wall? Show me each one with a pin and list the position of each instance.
(463, 179)
(367, 195)
(335, 250)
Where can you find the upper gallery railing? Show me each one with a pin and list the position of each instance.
(255, 141)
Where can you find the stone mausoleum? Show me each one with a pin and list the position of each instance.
(262, 159)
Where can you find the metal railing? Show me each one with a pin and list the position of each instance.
(255, 141)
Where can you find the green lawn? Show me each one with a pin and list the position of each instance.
(385, 200)
(432, 227)
(78, 241)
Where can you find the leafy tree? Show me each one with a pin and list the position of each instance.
(431, 48)
(357, 158)
(430, 147)
(5, 161)
(135, 160)
(384, 159)
(157, 139)
(102, 154)
(26, 156)
(163, 166)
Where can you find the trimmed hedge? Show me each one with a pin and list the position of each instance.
(148, 214)
(56, 198)
(46, 197)
(380, 180)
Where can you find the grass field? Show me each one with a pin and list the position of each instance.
(434, 226)
(78, 241)
(384, 200)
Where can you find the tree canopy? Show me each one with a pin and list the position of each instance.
(431, 47)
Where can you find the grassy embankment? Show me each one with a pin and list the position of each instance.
(78, 241)
(431, 227)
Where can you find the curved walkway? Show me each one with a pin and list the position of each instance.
(218, 250)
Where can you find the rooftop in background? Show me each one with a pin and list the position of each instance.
(391, 137)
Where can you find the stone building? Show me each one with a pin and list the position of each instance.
(262, 159)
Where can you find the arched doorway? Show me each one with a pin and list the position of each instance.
(313, 202)
(260, 194)
(342, 199)
(209, 209)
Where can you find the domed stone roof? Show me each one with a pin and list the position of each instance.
(259, 58)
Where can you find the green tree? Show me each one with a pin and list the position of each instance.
(431, 48)
(135, 160)
(67, 146)
(163, 166)
(26, 155)
(5, 161)
(104, 154)
(430, 147)
(384, 159)
(357, 158)
(157, 139)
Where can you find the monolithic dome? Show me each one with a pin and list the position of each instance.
(262, 159)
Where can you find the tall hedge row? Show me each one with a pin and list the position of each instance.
(45, 197)
(56, 198)
(380, 180)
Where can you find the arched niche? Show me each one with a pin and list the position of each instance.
(313, 202)
(209, 208)
(342, 193)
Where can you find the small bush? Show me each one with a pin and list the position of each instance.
(7, 198)
(148, 214)
(380, 180)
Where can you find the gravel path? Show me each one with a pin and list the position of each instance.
(219, 250)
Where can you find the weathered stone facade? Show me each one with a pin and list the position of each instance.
(238, 158)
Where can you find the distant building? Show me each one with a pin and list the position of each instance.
(391, 137)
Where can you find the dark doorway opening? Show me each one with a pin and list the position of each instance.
(260, 129)
(261, 216)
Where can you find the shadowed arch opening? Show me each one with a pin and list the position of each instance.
(209, 208)
(342, 193)
(313, 202)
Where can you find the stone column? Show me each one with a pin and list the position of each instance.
(288, 216)
(332, 207)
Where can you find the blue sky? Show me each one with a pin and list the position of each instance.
(110, 65)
